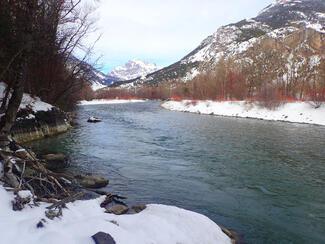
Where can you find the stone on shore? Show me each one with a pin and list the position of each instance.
(138, 208)
(118, 209)
(103, 238)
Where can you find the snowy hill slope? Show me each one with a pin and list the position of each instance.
(291, 24)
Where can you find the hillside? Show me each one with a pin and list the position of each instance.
(294, 28)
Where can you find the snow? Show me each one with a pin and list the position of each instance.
(157, 224)
(200, 56)
(282, 32)
(28, 101)
(97, 86)
(297, 112)
(34, 103)
(25, 194)
(191, 75)
(109, 101)
(317, 27)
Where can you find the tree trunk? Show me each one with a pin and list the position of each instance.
(8, 120)
(5, 100)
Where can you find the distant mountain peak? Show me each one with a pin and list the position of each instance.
(133, 69)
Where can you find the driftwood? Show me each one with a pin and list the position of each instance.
(24, 171)
(66, 200)
(8, 164)
(112, 198)
(42, 182)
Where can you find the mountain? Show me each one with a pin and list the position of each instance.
(133, 69)
(289, 27)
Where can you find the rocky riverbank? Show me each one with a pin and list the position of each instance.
(49, 204)
(31, 125)
(37, 119)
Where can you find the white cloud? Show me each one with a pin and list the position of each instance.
(163, 30)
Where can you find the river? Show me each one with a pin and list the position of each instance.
(265, 180)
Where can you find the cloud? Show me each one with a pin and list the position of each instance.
(166, 30)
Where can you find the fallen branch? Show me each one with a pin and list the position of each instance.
(66, 200)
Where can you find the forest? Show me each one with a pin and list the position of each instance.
(263, 75)
(38, 43)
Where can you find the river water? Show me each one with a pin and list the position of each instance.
(265, 180)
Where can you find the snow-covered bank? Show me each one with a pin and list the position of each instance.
(28, 101)
(109, 101)
(36, 119)
(157, 224)
(298, 112)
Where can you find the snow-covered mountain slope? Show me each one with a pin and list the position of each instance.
(132, 70)
(98, 80)
(290, 25)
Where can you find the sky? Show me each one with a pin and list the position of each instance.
(161, 31)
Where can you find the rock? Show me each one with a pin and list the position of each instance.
(92, 181)
(19, 202)
(88, 195)
(138, 208)
(118, 209)
(56, 161)
(103, 238)
(52, 214)
(41, 224)
(234, 237)
(94, 120)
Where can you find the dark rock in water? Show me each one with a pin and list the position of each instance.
(94, 120)
(103, 238)
(139, 208)
(56, 161)
(92, 181)
(118, 209)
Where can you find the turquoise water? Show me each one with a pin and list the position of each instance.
(266, 180)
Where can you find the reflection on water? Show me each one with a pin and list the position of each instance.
(264, 179)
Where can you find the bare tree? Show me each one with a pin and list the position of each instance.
(37, 42)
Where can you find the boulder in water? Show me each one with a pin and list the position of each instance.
(56, 161)
(92, 181)
(94, 120)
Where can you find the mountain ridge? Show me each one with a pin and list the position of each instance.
(277, 21)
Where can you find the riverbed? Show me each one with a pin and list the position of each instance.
(265, 180)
